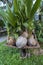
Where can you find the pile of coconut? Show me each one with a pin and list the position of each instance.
(23, 40)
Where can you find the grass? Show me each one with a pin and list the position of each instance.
(10, 56)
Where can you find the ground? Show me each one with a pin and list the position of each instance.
(2, 38)
(10, 56)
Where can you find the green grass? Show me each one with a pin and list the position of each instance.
(10, 56)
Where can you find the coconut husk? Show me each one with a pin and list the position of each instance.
(11, 41)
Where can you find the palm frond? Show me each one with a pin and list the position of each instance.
(15, 6)
(28, 4)
(34, 8)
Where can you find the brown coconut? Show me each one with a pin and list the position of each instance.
(11, 41)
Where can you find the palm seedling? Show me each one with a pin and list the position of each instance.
(21, 15)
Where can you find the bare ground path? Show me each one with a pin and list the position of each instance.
(3, 38)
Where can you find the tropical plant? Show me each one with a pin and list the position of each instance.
(39, 26)
(39, 30)
(21, 14)
(1, 23)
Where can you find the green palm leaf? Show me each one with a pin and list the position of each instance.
(34, 9)
(2, 14)
(15, 6)
(20, 14)
(11, 16)
(28, 6)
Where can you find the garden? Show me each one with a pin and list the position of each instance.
(22, 22)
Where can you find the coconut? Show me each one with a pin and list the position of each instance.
(25, 34)
(21, 42)
(32, 41)
(10, 41)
